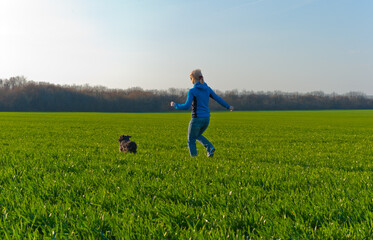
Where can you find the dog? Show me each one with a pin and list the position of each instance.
(126, 145)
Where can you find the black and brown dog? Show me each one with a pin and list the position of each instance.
(126, 145)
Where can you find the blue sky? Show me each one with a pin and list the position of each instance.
(260, 45)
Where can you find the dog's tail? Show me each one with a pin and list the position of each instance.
(132, 147)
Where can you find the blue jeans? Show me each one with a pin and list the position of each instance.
(196, 127)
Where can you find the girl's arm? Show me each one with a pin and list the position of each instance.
(219, 100)
(187, 103)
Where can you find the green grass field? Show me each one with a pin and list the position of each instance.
(275, 175)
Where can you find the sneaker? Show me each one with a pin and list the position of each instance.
(211, 153)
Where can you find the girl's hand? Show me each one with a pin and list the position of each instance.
(172, 104)
(231, 108)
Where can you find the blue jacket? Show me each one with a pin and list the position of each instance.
(198, 98)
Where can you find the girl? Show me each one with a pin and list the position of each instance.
(198, 98)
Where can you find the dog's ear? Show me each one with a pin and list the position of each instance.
(120, 138)
(128, 136)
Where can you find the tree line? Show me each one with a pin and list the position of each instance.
(19, 94)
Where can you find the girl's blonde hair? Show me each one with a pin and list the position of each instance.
(197, 75)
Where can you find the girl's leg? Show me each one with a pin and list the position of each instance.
(206, 143)
(202, 139)
(193, 132)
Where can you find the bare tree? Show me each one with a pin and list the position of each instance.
(18, 94)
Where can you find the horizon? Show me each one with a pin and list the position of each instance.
(247, 45)
(86, 85)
